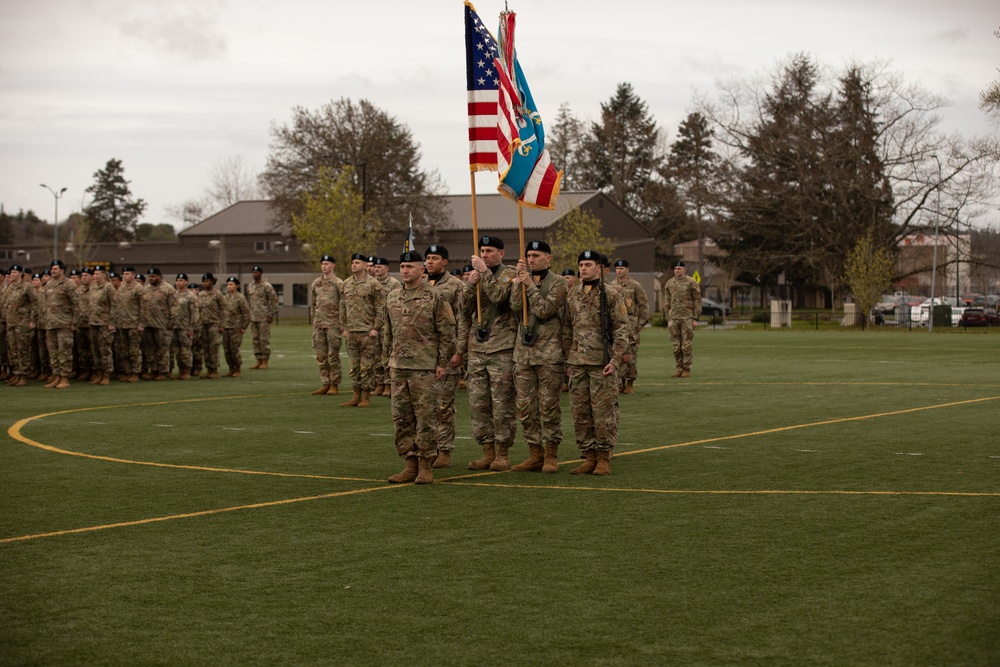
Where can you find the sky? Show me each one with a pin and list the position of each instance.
(172, 88)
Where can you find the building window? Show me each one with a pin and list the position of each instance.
(279, 289)
(263, 246)
(300, 294)
(7, 254)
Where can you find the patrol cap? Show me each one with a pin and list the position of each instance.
(491, 242)
(153, 271)
(57, 262)
(208, 276)
(256, 269)
(182, 276)
(538, 246)
(622, 262)
(380, 261)
(437, 250)
(358, 255)
(589, 255)
(128, 269)
(411, 256)
(568, 272)
(328, 258)
(233, 279)
(678, 263)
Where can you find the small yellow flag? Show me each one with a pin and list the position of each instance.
(696, 276)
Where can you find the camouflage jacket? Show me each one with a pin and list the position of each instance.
(362, 304)
(388, 283)
(210, 306)
(583, 340)
(263, 301)
(235, 312)
(38, 307)
(20, 304)
(83, 312)
(158, 308)
(502, 322)
(188, 312)
(324, 302)
(126, 312)
(452, 290)
(102, 304)
(545, 310)
(636, 302)
(682, 298)
(62, 302)
(420, 330)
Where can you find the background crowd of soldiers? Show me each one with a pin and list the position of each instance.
(97, 326)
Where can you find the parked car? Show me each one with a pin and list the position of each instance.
(979, 317)
(709, 307)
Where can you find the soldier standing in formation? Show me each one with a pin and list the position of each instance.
(417, 346)
(157, 314)
(126, 321)
(185, 325)
(101, 297)
(209, 339)
(83, 363)
(682, 306)
(380, 271)
(62, 301)
(637, 305)
(361, 310)
(324, 311)
(233, 321)
(539, 360)
(19, 303)
(263, 302)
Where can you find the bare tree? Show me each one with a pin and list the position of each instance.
(231, 180)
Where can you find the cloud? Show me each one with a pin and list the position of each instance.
(186, 30)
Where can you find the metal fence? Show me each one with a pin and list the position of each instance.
(820, 321)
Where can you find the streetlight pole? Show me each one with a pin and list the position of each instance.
(937, 222)
(55, 223)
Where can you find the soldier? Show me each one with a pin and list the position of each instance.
(126, 321)
(361, 308)
(5, 357)
(82, 354)
(263, 302)
(324, 311)
(19, 302)
(569, 275)
(595, 339)
(62, 301)
(682, 305)
(157, 316)
(234, 320)
(206, 349)
(185, 326)
(418, 346)
(101, 298)
(451, 290)
(637, 305)
(115, 279)
(380, 271)
(490, 348)
(40, 350)
(539, 362)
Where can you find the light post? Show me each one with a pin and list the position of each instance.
(937, 220)
(55, 223)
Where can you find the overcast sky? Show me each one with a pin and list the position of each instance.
(172, 87)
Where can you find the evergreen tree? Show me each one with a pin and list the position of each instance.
(693, 167)
(564, 140)
(113, 213)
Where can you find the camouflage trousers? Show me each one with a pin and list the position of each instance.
(102, 342)
(206, 348)
(594, 399)
(130, 341)
(181, 341)
(60, 344)
(40, 352)
(629, 369)
(326, 345)
(491, 397)
(19, 341)
(380, 374)
(361, 350)
(539, 392)
(232, 339)
(156, 348)
(83, 359)
(260, 334)
(414, 412)
(682, 337)
(446, 390)
(5, 356)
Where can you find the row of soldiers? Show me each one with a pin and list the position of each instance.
(96, 326)
(518, 332)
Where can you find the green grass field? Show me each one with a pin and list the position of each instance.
(804, 499)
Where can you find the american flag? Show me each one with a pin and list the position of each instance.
(481, 84)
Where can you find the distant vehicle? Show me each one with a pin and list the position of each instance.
(920, 313)
(711, 308)
(974, 299)
(979, 317)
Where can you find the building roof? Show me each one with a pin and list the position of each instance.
(494, 211)
(242, 218)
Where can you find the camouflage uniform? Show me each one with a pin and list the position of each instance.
(101, 326)
(491, 363)
(40, 348)
(126, 320)
(594, 396)
(209, 338)
(62, 301)
(539, 369)
(362, 306)
(637, 305)
(450, 289)
(682, 303)
(324, 307)
(419, 336)
(157, 315)
(379, 371)
(263, 302)
(5, 357)
(20, 304)
(182, 339)
(83, 359)
(235, 318)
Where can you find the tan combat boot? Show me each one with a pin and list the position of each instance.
(333, 390)
(353, 403)
(443, 459)
(377, 391)
(96, 379)
(236, 373)
(678, 373)
(551, 461)
(53, 381)
(489, 454)
(387, 392)
(255, 366)
(184, 373)
(63, 383)
(322, 390)
(22, 381)
(407, 474)
(105, 380)
(603, 466)
(501, 462)
(685, 374)
(425, 474)
(263, 364)
(534, 461)
(366, 400)
(588, 465)
(628, 387)
(230, 373)
(84, 376)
